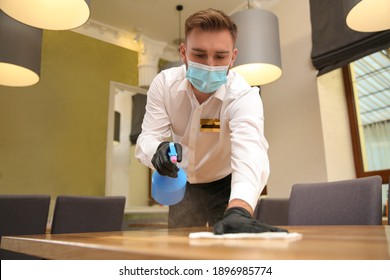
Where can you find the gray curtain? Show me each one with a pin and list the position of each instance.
(334, 43)
(137, 116)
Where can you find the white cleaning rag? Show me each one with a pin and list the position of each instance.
(261, 235)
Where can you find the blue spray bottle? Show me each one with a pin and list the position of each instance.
(167, 190)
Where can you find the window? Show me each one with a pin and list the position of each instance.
(367, 84)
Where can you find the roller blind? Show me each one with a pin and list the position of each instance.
(137, 116)
(334, 44)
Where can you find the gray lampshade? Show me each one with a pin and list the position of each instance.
(258, 59)
(368, 15)
(20, 52)
(117, 127)
(52, 15)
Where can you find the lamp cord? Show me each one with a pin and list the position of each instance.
(179, 8)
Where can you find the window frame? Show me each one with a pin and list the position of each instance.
(354, 129)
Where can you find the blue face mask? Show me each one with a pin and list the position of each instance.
(204, 78)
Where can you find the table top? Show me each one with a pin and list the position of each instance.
(317, 242)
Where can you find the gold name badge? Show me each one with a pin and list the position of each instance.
(210, 125)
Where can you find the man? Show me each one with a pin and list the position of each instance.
(216, 122)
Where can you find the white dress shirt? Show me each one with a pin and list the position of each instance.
(239, 147)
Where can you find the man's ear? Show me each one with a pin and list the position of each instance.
(234, 56)
(182, 51)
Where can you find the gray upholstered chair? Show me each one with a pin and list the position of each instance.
(73, 214)
(273, 211)
(22, 215)
(347, 202)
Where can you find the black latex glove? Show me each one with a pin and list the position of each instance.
(162, 162)
(237, 219)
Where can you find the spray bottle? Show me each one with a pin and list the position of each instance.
(167, 190)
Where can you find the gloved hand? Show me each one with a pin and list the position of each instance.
(162, 162)
(237, 219)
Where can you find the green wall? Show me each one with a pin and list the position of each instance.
(53, 134)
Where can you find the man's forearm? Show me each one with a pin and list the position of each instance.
(240, 203)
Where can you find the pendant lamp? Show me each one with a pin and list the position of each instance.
(48, 14)
(258, 59)
(368, 15)
(20, 53)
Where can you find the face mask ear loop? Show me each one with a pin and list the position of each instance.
(228, 66)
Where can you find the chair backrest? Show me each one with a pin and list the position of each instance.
(22, 215)
(273, 211)
(347, 202)
(88, 214)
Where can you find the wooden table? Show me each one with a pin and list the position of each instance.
(317, 242)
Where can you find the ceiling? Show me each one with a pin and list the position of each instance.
(159, 19)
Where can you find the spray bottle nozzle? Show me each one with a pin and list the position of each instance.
(172, 153)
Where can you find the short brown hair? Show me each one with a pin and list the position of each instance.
(211, 20)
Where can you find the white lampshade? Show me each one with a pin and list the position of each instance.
(20, 53)
(368, 15)
(258, 59)
(48, 14)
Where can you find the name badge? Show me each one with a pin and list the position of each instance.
(210, 125)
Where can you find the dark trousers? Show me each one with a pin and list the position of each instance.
(202, 204)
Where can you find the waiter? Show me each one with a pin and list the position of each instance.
(216, 121)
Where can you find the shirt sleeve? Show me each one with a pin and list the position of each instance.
(249, 158)
(156, 123)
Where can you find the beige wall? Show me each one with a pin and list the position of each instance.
(335, 124)
(299, 120)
